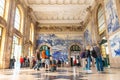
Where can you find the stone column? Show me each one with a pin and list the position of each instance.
(9, 35)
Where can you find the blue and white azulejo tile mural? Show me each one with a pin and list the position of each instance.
(111, 15)
(115, 44)
(58, 45)
(88, 37)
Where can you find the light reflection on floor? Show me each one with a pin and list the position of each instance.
(65, 73)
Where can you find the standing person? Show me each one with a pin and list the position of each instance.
(21, 61)
(43, 56)
(12, 62)
(93, 61)
(99, 63)
(47, 60)
(88, 56)
(83, 56)
(75, 62)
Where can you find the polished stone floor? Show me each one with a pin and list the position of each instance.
(66, 73)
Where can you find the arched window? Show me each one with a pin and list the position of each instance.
(17, 19)
(2, 7)
(75, 48)
(101, 19)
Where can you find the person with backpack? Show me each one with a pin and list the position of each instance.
(96, 53)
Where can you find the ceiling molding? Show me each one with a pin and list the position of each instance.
(59, 2)
(61, 13)
(60, 29)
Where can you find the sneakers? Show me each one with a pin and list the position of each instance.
(89, 71)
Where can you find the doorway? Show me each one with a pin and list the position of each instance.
(43, 47)
(105, 52)
(74, 54)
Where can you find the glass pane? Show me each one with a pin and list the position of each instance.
(2, 4)
(1, 11)
(15, 43)
(17, 19)
(15, 39)
(0, 31)
(101, 19)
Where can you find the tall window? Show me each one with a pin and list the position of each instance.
(101, 19)
(15, 43)
(2, 7)
(17, 19)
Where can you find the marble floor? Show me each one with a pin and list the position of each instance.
(66, 73)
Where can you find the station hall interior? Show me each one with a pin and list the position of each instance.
(64, 29)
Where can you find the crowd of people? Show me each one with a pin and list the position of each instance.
(90, 56)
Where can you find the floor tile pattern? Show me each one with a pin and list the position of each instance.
(65, 73)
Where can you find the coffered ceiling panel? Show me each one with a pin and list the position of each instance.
(59, 11)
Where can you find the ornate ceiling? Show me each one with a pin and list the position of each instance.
(60, 13)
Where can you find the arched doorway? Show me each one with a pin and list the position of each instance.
(43, 47)
(74, 53)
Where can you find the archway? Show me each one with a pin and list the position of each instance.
(42, 47)
(74, 53)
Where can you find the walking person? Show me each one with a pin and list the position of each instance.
(12, 62)
(38, 61)
(47, 59)
(89, 59)
(43, 56)
(99, 63)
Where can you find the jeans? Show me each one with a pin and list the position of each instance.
(37, 65)
(88, 63)
(99, 63)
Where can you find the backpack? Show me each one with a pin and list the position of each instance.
(82, 55)
(94, 54)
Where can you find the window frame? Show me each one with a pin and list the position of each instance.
(14, 43)
(16, 22)
(101, 19)
(3, 8)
